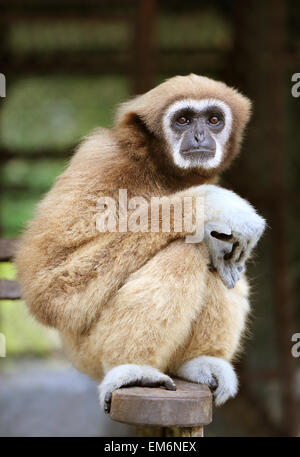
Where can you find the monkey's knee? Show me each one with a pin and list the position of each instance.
(152, 314)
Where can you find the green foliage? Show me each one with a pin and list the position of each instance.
(23, 334)
(38, 175)
(7, 270)
(44, 113)
(16, 208)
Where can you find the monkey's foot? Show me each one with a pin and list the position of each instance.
(131, 375)
(214, 372)
(229, 249)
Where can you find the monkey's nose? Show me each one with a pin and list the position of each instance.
(207, 142)
(199, 137)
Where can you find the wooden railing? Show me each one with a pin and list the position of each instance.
(8, 289)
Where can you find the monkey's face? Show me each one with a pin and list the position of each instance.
(197, 132)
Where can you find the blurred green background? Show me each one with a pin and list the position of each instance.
(69, 63)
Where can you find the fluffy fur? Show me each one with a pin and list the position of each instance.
(136, 298)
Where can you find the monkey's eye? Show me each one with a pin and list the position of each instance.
(182, 120)
(214, 119)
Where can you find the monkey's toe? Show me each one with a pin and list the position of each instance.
(107, 402)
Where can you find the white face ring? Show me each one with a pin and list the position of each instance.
(220, 138)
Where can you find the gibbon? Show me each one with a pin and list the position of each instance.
(136, 307)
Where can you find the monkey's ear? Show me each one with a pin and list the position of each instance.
(129, 119)
(133, 135)
(133, 121)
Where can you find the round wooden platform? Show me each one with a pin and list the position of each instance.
(189, 406)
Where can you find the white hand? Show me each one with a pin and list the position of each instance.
(232, 229)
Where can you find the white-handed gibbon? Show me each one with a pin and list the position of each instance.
(139, 307)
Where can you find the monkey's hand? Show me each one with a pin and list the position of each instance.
(131, 375)
(232, 229)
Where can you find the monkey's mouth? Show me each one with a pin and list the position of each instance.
(202, 153)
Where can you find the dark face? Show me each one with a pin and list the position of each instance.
(197, 131)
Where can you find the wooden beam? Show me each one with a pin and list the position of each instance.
(44, 154)
(7, 248)
(143, 46)
(9, 290)
(104, 62)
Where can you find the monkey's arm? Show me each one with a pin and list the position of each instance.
(71, 291)
(68, 270)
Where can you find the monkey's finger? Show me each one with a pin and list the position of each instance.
(170, 384)
(164, 381)
(218, 228)
(241, 247)
(107, 402)
(229, 275)
(220, 235)
(235, 252)
(241, 267)
(217, 250)
(235, 273)
(213, 384)
(225, 275)
(248, 250)
(247, 244)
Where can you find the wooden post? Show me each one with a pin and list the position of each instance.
(159, 412)
(143, 46)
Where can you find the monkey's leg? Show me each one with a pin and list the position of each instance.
(216, 335)
(149, 317)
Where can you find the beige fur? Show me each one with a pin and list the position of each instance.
(142, 298)
(169, 311)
